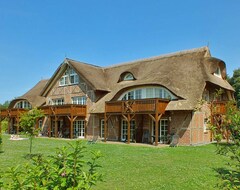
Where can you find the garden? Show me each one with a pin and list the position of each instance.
(128, 166)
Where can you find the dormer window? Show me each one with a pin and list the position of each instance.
(126, 76)
(147, 92)
(218, 73)
(23, 104)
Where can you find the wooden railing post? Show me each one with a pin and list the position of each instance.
(129, 127)
(156, 129)
(105, 127)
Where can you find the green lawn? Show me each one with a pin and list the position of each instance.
(128, 167)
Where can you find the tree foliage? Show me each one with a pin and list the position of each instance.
(235, 82)
(231, 176)
(67, 169)
(4, 105)
(28, 123)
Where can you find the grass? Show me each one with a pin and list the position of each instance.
(134, 167)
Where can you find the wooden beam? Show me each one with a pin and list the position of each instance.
(105, 126)
(49, 126)
(153, 118)
(156, 129)
(55, 126)
(17, 118)
(9, 123)
(71, 127)
(129, 128)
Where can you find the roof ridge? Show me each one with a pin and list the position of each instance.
(89, 64)
(174, 54)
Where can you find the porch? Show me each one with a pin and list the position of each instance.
(153, 108)
(52, 113)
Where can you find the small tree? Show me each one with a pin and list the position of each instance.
(231, 177)
(28, 123)
(0, 142)
(4, 125)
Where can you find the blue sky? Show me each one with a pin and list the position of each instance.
(36, 35)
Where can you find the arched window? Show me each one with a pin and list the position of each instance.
(23, 104)
(126, 76)
(147, 92)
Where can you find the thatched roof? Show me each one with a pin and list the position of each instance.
(33, 95)
(184, 73)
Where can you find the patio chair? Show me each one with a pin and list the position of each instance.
(174, 141)
(93, 140)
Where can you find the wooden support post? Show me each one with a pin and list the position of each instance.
(49, 126)
(9, 123)
(85, 128)
(105, 127)
(17, 118)
(71, 127)
(156, 129)
(129, 128)
(55, 126)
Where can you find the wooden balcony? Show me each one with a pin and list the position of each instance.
(219, 107)
(59, 110)
(62, 110)
(143, 106)
(14, 112)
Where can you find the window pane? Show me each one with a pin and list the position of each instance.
(138, 94)
(130, 95)
(149, 93)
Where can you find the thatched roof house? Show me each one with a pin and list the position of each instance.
(186, 77)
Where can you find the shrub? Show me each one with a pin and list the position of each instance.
(67, 169)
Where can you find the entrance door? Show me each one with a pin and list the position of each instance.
(79, 128)
(162, 131)
(124, 130)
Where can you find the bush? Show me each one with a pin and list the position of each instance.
(67, 169)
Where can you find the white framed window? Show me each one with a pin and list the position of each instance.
(102, 123)
(205, 124)
(128, 76)
(124, 129)
(138, 94)
(23, 104)
(74, 79)
(40, 123)
(162, 130)
(69, 77)
(147, 92)
(58, 101)
(79, 128)
(63, 80)
(81, 100)
(218, 73)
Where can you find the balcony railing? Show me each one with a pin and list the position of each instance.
(68, 109)
(137, 106)
(14, 112)
(60, 110)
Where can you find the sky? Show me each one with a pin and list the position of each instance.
(37, 35)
